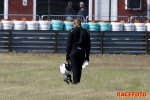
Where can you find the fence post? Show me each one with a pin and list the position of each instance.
(101, 44)
(9, 41)
(109, 11)
(55, 44)
(48, 10)
(147, 43)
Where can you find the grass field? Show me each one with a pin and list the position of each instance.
(36, 76)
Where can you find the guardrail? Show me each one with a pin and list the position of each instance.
(96, 41)
(63, 17)
(5, 41)
(105, 18)
(125, 42)
(55, 41)
(139, 18)
(19, 17)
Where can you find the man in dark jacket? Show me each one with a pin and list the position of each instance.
(83, 10)
(70, 10)
(77, 49)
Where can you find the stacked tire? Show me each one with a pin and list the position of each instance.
(105, 26)
(32, 25)
(68, 25)
(128, 27)
(44, 25)
(116, 26)
(93, 26)
(147, 26)
(139, 26)
(19, 25)
(57, 25)
(85, 25)
(7, 25)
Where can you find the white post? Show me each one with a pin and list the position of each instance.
(5, 9)
(34, 10)
(114, 11)
(148, 9)
(97, 10)
(90, 9)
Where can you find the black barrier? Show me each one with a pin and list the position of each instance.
(148, 42)
(4, 41)
(55, 41)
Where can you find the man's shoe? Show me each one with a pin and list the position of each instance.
(69, 78)
(66, 80)
(75, 82)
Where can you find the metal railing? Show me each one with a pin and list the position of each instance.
(63, 17)
(106, 18)
(30, 17)
(19, 17)
(139, 18)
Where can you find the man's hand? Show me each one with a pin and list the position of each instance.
(67, 57)
(87, 58)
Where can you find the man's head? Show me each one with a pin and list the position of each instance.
(70, 3)
(81, 4)
(77, 22)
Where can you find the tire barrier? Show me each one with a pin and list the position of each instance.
(85, 25)
(128, 27)
(139, 27)
(44, 25)
(116, 26)
(68, 25)
(147, 26)
(57, 25)
(32, 25)
(19, 25)
(105, 26)
(7, 25)
(93, 26)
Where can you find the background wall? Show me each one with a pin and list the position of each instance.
(1, 6)
(129, 13)
(102, 10)
(16, 7)
(57, 7)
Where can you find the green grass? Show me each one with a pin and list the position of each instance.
(36, 76)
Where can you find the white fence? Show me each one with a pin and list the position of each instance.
(106, 18)
(19, 17)
(139, 18)
(63, 17)
(31, 17)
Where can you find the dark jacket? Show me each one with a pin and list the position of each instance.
(78, 37)
(70, 11)
(83, 11)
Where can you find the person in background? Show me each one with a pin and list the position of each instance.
(70, 11)
(77, 50)
(83, 10)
